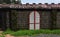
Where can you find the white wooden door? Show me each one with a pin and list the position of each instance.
(31, 21)
(34, 21)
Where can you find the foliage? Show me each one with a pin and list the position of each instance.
(14, 19)
(10, 1)
(8, 31)
(2, 36)
(53, 19)
(32, 32)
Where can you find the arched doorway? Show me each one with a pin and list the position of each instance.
(34, 21)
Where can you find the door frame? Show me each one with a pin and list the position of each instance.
(34, 19)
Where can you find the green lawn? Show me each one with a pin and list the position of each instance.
(31, 32)
(1, 36)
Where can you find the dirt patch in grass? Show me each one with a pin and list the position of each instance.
(8, 35)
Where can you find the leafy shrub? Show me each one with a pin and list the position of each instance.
(32, 32)
(2, 36)
(8, 31)
(55, 31)
(23, 32)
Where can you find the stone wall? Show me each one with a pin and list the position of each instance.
(23, 19)
(58, 20)
(45, 19)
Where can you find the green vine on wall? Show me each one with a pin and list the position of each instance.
(14, 19)
(53, 19)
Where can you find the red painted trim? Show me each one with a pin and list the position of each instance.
(40, 18)
(33, 23)
(34, 18)
(29, 19)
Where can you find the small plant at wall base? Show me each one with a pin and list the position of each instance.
(8, 31)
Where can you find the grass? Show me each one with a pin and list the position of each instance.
(2, 36)
(31, 32)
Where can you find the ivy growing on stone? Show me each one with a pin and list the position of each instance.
(14, 19)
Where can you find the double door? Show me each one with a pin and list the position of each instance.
(34, 21)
